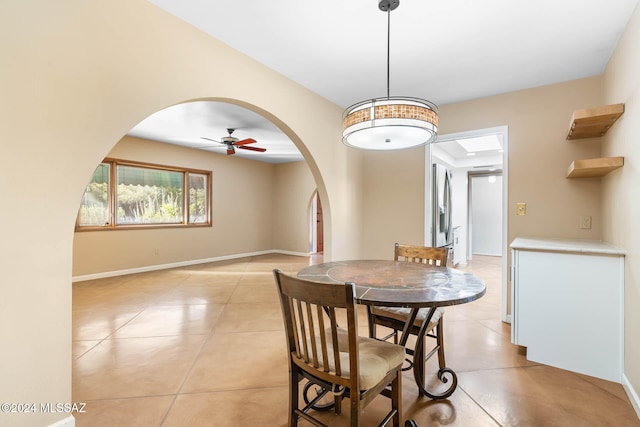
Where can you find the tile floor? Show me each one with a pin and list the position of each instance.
(204, 346)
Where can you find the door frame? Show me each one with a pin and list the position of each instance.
(504, 132)
(316, 224)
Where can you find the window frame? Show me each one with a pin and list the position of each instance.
(112, 200)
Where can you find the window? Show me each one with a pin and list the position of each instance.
(198, 211)
(94, 209)
(145, 196)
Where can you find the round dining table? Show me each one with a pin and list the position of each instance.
(404, 284)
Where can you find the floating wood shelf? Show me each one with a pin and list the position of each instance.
(594, 122)
(590, 168)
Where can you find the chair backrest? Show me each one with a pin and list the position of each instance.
(310, 310)
(421, 254)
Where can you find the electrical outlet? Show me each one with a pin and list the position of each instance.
(521, 208)
(585, 222)
(156, 251)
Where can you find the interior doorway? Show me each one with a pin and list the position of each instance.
(480, 151)
(485, 214)
(316, 225)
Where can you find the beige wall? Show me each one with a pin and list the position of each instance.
(538, 157)
(250, 198)
(621, 188)
(75, 76)
(393, 201)
(293, 191)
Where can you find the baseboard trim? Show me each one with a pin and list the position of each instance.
(633, 396)
(180, 264)
(65, 422)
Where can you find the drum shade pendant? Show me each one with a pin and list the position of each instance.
(391, 123)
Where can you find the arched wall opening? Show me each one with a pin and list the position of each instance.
(91, 73)
(257, 208)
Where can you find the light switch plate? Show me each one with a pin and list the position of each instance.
(521, 208)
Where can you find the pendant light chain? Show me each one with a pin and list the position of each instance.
(390, 123)
(388, 47)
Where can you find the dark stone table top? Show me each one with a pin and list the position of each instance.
(400, 283)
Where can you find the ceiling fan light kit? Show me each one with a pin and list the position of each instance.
(390, 123)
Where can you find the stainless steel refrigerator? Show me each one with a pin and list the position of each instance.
(442, 233)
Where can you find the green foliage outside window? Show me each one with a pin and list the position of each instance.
(94, 210)
(197, 198)
(144, 196)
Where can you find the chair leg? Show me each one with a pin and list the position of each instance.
(440, 343)
(419, 362)
(355, 407)
(294, 392)
(337, 404)
(372, 323)
(396, 398)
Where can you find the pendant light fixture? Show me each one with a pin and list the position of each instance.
(390, 123)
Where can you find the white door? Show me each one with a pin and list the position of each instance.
(486, 215)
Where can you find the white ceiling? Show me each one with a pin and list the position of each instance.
(186, 124)
(452, 153)
(445, 51)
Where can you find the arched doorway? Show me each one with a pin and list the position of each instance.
(240, 204)
(244, 191)
(90, 90)
(316, 225)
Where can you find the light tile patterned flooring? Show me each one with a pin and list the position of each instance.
(204, 346)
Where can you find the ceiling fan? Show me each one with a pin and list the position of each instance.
(232, 143)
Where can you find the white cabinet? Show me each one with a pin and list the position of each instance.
(567, 304)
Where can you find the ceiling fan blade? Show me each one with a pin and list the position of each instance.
(245, 141)
(209, 139)
(253, 148)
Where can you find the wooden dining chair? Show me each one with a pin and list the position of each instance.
(334, 357)
(395, 318)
